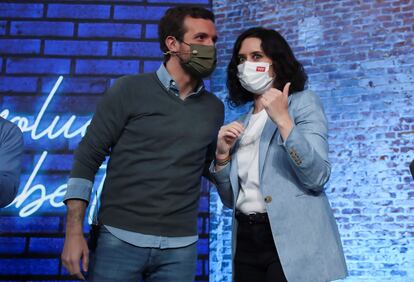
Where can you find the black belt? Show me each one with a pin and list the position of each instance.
(253, 218)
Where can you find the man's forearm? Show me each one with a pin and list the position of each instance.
(76, 213)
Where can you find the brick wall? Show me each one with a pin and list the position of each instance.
(88, 43)
(359, 57)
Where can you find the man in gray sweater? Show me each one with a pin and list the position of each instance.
(159, 131)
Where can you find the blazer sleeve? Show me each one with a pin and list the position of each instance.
(11, 151)
(222, 181)
(307, 143)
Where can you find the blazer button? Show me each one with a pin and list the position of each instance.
(268, 199)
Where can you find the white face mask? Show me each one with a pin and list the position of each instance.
(254, 77)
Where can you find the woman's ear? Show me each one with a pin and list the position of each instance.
(272, 70)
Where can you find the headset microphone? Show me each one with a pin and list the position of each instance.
(194, 52)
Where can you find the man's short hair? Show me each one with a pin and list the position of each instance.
(172, 23)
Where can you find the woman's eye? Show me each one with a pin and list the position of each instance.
(242, 60)
(257, 57)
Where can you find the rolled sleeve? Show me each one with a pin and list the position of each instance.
(221, 176)
(78, 188)
(222, 179)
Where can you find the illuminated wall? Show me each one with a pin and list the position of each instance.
(57, 57)
(360, 59)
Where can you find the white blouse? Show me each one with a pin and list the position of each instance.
(250, 199)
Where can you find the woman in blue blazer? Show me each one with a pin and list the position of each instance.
(271, 167)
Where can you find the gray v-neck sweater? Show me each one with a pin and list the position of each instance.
(158, 146)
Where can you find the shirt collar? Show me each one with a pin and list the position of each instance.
(169, 83)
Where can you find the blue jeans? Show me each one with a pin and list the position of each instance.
(116, 260)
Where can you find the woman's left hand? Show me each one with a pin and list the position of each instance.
(275, 103)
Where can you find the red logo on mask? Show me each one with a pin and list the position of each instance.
(260, 69)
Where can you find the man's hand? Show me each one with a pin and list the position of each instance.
(75, 248)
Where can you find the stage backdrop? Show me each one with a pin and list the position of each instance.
(360, 59)
(57, 58)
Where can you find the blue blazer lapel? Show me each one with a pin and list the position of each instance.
(267, 134)
(268, 131)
